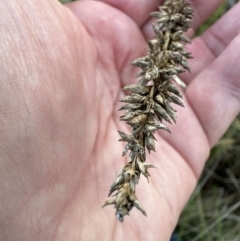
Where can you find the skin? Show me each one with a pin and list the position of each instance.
(62, 69)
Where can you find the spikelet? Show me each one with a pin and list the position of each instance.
(148, 103)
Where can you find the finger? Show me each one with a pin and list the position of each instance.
(212, 43)
(197, 140)
(117, 38)
(202, 10)
(212, 102)
(214, 94)
(138, 10)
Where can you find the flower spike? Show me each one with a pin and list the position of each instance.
(148, 103)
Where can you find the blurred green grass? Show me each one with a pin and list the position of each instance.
(213, 212)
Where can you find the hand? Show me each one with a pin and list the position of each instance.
(61, 79)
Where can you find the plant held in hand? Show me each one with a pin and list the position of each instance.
(149, 102)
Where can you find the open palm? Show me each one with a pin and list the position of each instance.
(61, 79)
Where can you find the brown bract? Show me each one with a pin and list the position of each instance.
(148, 103)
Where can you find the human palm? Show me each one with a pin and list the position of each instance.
(62, 79)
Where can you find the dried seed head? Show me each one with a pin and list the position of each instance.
(134, 98)
(150, 143)
(160, 110)
(174, 90)
(131, 107)
(137, 89)
(173, 98)
(138, 120)
(149, 101)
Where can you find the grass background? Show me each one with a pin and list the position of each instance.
(213, 212)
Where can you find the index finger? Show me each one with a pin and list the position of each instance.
(138, 10)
